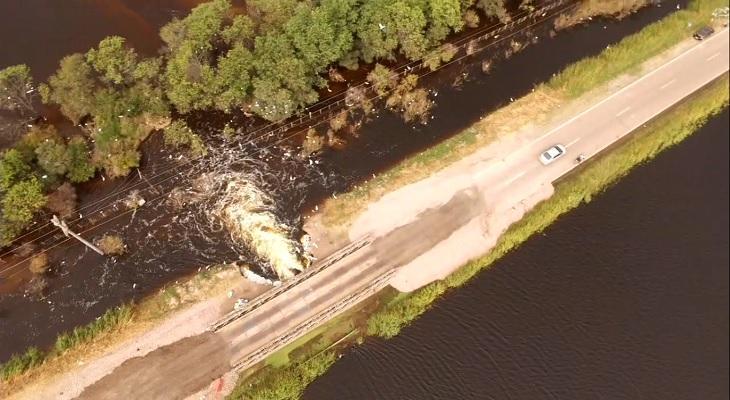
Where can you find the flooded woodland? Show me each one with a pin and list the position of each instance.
(171, 235)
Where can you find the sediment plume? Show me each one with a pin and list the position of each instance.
(248, 214)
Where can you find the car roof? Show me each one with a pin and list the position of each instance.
(705, 30)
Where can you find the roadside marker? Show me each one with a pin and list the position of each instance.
(622, 112)
(666, 85)
(514, 178)
(713, 56)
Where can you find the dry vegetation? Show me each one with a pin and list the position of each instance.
(596, 8)
(39, 264)
(62, 201)
(112, 245)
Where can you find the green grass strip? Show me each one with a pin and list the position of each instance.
(112, 319)
(285, 383)
(627, 55)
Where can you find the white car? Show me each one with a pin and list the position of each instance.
(552, 154)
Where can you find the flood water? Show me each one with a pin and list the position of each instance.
(166, 244)
(623, 298)
(41, 32)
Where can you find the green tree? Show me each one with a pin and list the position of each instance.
(16, 89)
(53, 157)
(382, 78)
(13, 168)
(317, 37)
(387, 25)
(72, 87)
(190, 73)
(189, 82)
(241, 31)
(270, 15)
(113, 60)
(173, 35)
(283, 83)
(494, 8)
(116, 135)
(233, 81)
(178, 134)
(203, 25)
(444, 17)
(80, 168)
(22, 200)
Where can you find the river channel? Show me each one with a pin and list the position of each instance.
(162, 245)
(623, 298)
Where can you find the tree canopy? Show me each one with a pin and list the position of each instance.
(16, 89)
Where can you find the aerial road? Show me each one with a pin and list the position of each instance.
(419, 233)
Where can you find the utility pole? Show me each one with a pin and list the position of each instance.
(64, 228)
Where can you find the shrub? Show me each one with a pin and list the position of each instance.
(80, 168)
(13, 168)
(22, 200)
(62, 201)
(382, 79)
(53, 157)
(112, 245)
(17, 364)
(111, 319)
(39, 264)
(178, 134)
(285, 383)
(16, 89)
(471, 19)
(313, 142)
(36, 286)
(338, 121)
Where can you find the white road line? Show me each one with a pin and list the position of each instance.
(573, 142)
(625, 88)
(666, 85)
(514, 178)
(622, 112)
(713, 56)
(480, 174)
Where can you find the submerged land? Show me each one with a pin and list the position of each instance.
(482, 191)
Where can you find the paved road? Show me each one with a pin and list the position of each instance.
(179, 370)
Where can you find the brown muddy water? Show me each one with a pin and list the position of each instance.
(41, 32)
(623, 298)
(166, 244)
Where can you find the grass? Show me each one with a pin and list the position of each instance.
(626, 57)
(287, 373)
(112, 320)
(665, 131)
(285, 383)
